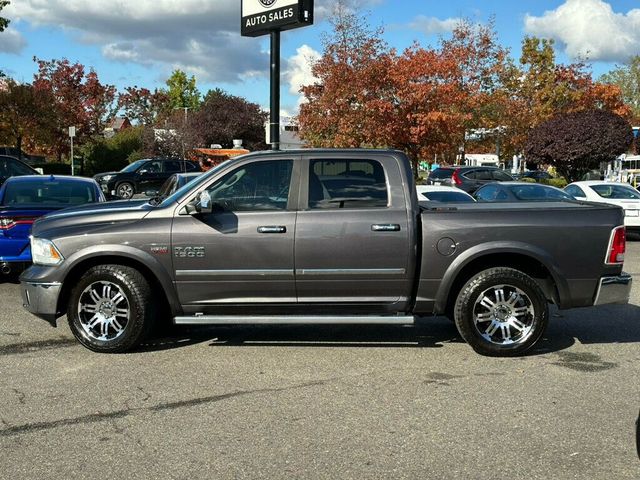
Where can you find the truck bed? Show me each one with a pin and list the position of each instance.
(563, 239)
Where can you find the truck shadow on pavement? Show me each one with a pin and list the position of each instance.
(601, 325)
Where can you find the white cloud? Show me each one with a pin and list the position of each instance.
(199, 36)
(298, 69)
(433, 25)
(11, 41)
(591, 29)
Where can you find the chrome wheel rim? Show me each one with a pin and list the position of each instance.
(103, 310)
(125, 191)
(504, 315)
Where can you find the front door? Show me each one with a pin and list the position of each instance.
(353, 235)
(243, 252)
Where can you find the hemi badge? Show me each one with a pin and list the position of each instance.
(160, 250)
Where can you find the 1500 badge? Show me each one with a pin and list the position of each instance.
(189, 252)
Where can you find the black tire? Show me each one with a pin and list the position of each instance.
(502, 299)
(125, 190)
(95, 313)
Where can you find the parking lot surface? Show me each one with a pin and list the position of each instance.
(323, 402)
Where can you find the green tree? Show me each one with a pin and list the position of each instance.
(577, 142)
(109, 154)
(627, 78)
(4, 22)
(183, 92)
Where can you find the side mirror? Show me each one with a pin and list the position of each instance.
(200, 205)
(204, 204)
(143, 172)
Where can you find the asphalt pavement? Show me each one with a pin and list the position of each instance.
(323, 402)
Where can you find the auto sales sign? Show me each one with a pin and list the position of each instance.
(260, 17)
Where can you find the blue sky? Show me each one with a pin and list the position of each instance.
(140, 43)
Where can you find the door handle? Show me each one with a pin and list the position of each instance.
(385, 227)
(273, 229)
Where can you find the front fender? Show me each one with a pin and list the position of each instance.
(110, 253)
(478, 251)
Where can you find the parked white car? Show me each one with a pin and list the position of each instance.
(437, 193)
(620, 194)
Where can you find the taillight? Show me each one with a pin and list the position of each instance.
(617, 246)
(7, 222)
(455, 178)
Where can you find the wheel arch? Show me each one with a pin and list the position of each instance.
(529, 260)
(149, 267)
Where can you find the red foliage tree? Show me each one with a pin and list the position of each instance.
(81, 100)
(577, 142)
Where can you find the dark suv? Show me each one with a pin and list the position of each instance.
(468, 179)
(142, 176)
(12, 167)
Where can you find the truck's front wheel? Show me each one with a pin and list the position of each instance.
(111, 309)
(501, 312)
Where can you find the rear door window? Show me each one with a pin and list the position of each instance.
(347, 184)
(484, 175)
(173, 166)
(488, 193)
(501, 176)
(575, 191)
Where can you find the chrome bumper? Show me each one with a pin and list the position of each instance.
(41, 299)
(614, 290)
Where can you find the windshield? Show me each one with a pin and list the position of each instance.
(447, 197)
(538, 192)
(48, 194)
(193, 183)
(132, 167)
(616, 192)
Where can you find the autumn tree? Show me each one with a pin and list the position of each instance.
(223, 117)
(540, 88)
(142, 106)
(627, 79)
(577, 142)
(80, 100)
(479, 66)
(350, 103)
(26, 115)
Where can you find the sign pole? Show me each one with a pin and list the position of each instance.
(275, 91)
(72, 133)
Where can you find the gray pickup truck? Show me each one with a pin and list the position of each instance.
(321, 237)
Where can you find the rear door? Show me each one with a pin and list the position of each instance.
(353, 234)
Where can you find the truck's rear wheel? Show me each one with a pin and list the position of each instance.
(501, 312)
(111, 309)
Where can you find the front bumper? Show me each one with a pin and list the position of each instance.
(614, 289)
(41, 299)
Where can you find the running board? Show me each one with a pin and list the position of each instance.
(293, 320)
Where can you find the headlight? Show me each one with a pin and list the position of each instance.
(44, 252)
(106, 178)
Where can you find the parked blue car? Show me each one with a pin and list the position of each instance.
(26, 198)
